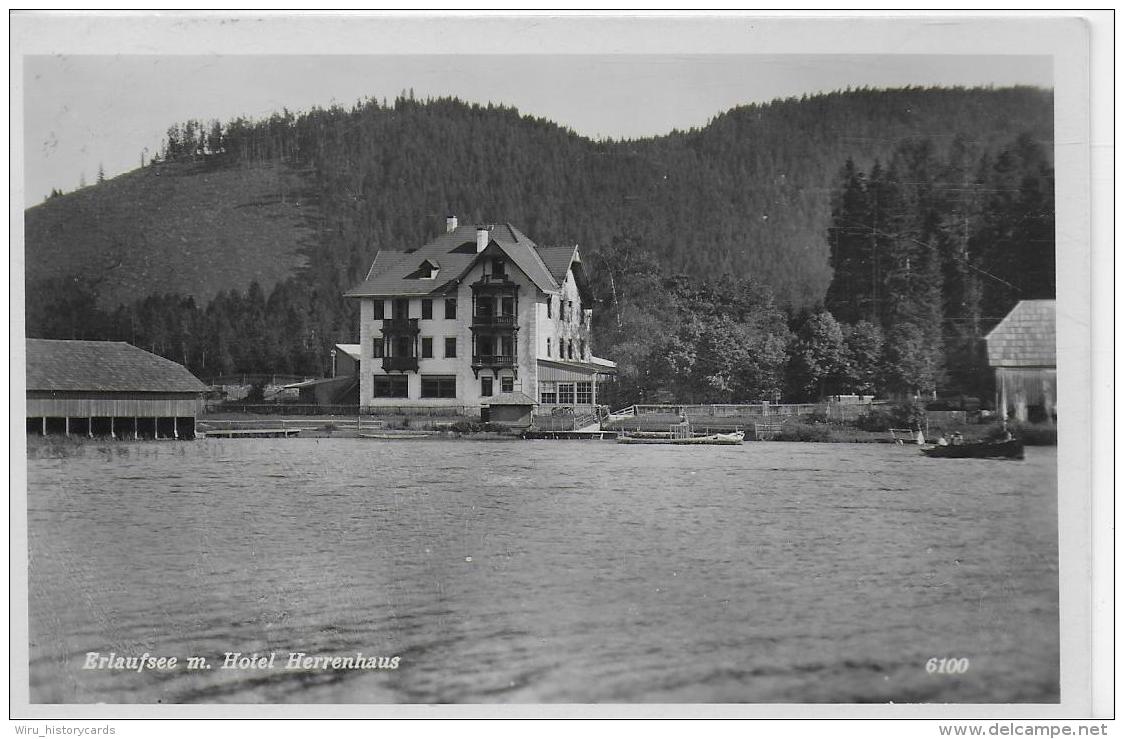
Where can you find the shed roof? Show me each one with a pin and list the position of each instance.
(596, 364)
(351, 350)
(396, 273)
(103, 366)
(513, 398)
(1026, 337)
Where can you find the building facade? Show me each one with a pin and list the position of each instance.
(478, 312)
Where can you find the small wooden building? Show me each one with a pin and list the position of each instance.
(108, 388)
(513, 410)
(1023, 351)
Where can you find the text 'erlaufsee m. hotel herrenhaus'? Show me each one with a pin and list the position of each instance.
(478, 313)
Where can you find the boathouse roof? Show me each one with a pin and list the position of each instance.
(451, 254)
(1026, 337)
(103, 366)
(513, 398)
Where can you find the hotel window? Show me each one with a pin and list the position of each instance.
(427, 308)
(548, 346)
(401, 308)
(569, 310)
(566, 393)
(585, 393)
(498, 267)
(549, 306)
(507, 346)
(547, 396)
(485, 387)
(570, 349)
(450, 308)
(507, 307)
(427, 347)
(450, 347)
(392, 386)
(581, 349)
(378, 309)
(507, 384)
(439, 386)
(376, 348)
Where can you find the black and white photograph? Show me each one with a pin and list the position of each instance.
(495, 361)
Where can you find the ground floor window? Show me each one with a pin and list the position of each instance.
(585, 393)
(486, 387)
(507, 384)
(566, 393)
(547, 394)
(439, 386)
(392, 386)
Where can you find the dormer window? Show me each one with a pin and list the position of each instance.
(498, 269)
(427, 270)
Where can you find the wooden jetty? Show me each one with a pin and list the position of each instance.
(249, 433)
(583, 435)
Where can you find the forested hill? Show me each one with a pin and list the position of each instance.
(316, 194)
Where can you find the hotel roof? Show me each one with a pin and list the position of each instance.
(450, 256)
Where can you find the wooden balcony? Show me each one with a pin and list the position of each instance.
(400, 326)
(495, 282)
(509, 323)
(400, 364)
(493, 362)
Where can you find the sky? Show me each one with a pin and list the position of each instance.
(82, 112)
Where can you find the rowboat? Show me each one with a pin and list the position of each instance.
(398, 435)
(735, 438)
(1009, 449)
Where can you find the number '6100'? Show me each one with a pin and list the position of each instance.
(946, 665)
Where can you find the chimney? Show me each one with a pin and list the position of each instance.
(483, 234)
(450, 224)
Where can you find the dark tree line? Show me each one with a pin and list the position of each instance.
(936, 250)
(287, 331)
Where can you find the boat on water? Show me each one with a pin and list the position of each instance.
(397, 435)
(1006, 449)
(735, 438)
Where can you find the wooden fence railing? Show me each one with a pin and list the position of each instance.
(300, 409)
(753, 409)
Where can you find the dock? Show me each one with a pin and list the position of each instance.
(582, 435)
(249, 433)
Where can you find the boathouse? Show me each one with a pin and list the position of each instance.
(108, 388)
(1023, 351)
(513, 410)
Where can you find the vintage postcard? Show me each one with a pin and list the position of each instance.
(707, 365)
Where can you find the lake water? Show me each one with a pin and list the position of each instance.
(544, 572)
